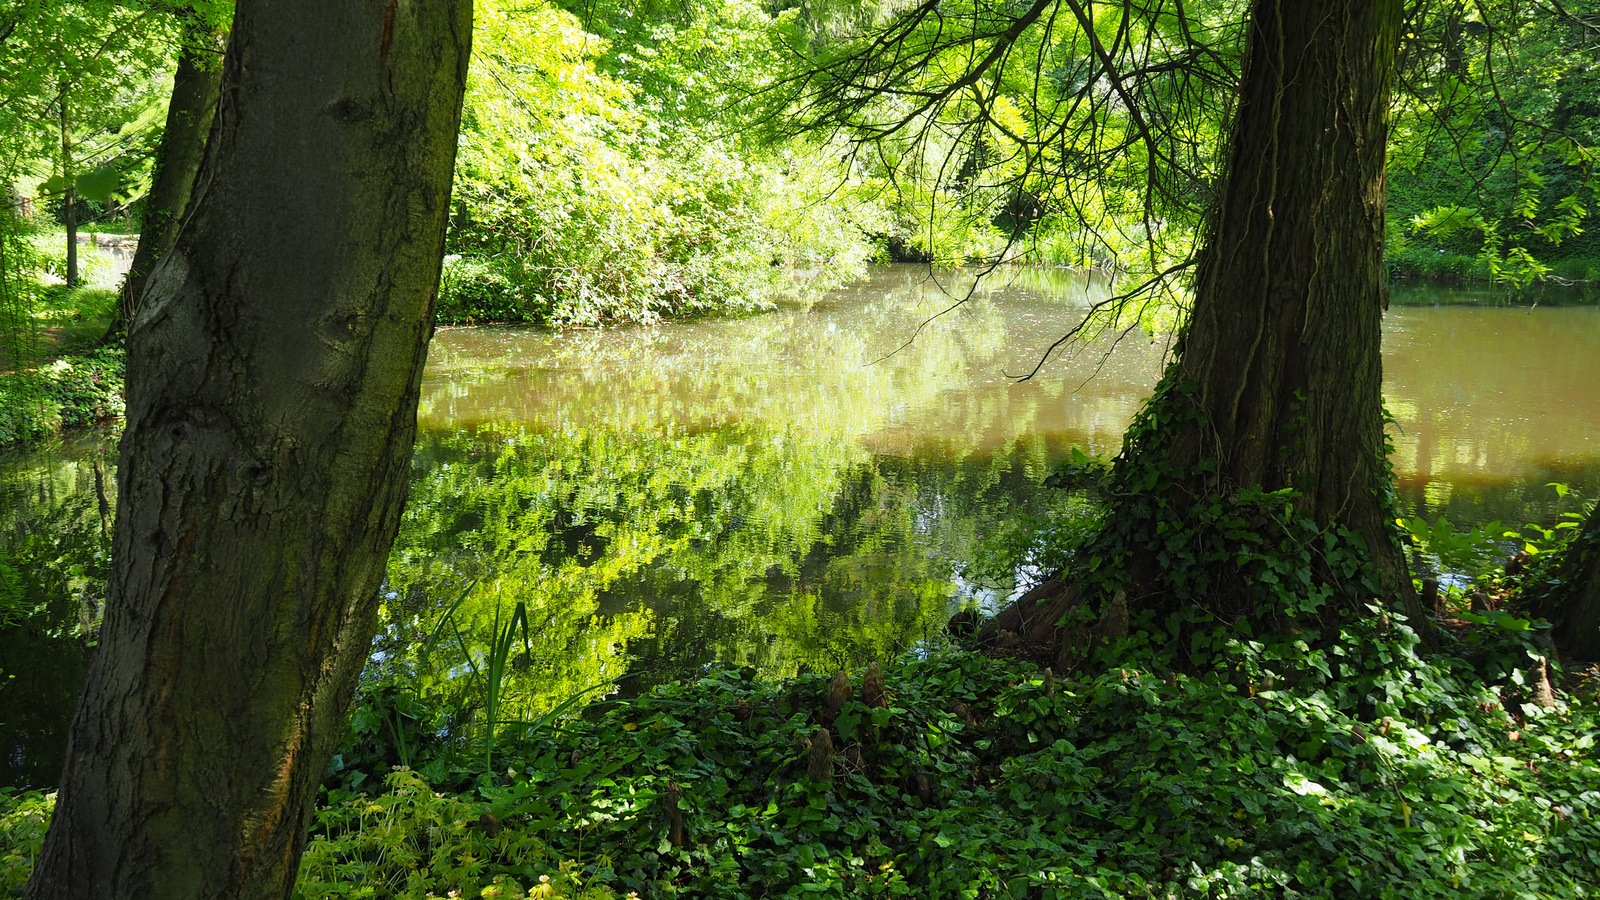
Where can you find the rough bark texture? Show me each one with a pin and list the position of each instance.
(272, 384)
(1289, 294)
(194, 103)
(1574, 603)
(1283, 346)
(1284, 343)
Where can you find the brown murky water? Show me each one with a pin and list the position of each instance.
(1490, 402)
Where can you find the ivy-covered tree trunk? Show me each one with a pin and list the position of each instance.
(189, 115)
(1283, 348)
(273, 375)
(1278, 376)
(1573, 601)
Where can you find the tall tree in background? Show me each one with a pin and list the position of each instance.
(69, 174)
(75, 78)
(272, 385)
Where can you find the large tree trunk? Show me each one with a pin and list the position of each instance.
(1278, 377)
(1284, 344)
(1573, 602)
(189, 115)
(273, 375)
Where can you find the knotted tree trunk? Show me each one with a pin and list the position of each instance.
(1278, 375)
(273, 375)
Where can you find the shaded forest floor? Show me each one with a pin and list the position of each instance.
(964, 776)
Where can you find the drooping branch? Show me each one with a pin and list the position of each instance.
(1094, 115)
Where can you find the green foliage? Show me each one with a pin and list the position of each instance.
(70, 392)
(1049, 132)
(1491, 169)
(982, 778)
(489, 288)
(410, 842)
(24, 816)
(1127, 784)
(82, 304)
(1475, 552)
(407, 842)
(18, 288)
(1544, 588)
(95, 68)
(581, 199)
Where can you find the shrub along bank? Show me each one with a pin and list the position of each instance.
(72, 391)
(583, 196)
(1378, 774)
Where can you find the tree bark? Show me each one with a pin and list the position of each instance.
(1284, 343)
(1573, 602)
(272, 383)
(194, 103)
(1278, 376)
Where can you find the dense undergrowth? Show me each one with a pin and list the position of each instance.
(71, 391)
(613, 181)
(971, 777)
(54, 373)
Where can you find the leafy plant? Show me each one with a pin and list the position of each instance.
(1472, 553)
(24, 817)
(69, 392)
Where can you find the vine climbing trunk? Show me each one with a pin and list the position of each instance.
(272, 382)
(1283, 348)
(1278, 375)
(194, 102)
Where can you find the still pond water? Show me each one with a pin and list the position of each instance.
(808, 487)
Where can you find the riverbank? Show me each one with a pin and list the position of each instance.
(1447, 267)
(961, 776)
(56, 371)
(77, 389)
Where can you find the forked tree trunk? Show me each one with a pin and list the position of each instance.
(1282, 349)
(272, 384)
(189, 115)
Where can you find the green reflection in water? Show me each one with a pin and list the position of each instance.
(54, 561)
(665, 551)
(802, 488)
